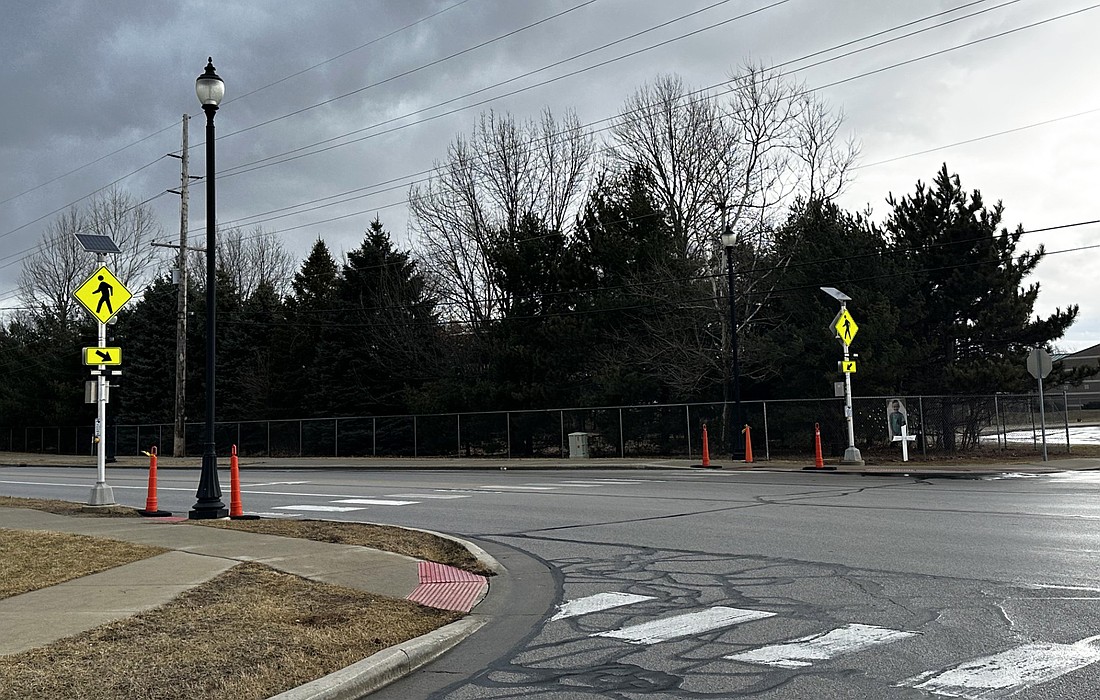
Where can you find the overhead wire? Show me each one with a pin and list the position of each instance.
(427, 175)
(700, 94)
(793, 60)
(234, 99)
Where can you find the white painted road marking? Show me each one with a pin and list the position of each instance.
(596, 603)
(569, 484)
(684, 625)
(277, 483)
(319, 509)
(1007, 673)
(374, 502)
(818, 647)
(521, 488)
(438, 496)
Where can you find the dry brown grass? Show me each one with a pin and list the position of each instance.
(67, 508)
(248, 634)
(420, 545)
(33, 559)
(252, 632)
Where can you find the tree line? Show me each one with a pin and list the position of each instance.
(552, 267)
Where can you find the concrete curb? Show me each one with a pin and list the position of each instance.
(483, 557)
(386, 666)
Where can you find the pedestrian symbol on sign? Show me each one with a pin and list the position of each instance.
(104, 290)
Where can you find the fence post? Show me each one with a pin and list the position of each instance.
(767, 445)
(301, 437)
(508, 431)
(562, 414)
(335, 437)
(923, 429)
(1031, 412)
(622, 441)
(687, 418)
(1065, 408)
(458, 431)
(415, 450)
(374, 436)
(268, 439)
(997, 418)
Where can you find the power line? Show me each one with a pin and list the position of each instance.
(786, 63)
(426, 175)
(240, 97)
(413, 70)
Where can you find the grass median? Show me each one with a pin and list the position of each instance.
(250, 633)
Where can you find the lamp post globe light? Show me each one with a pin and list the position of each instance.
(737, 448)
(210, 90)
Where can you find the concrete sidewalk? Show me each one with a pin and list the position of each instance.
(198, 554)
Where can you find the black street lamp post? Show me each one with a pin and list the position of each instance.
(210, 90)
(737, 444)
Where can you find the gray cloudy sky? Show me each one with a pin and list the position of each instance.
(96, 90)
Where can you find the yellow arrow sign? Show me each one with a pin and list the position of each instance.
(103, 295)
(848, 367)
(103, 356)
(846, 327)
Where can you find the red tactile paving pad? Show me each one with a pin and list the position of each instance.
(447, 588)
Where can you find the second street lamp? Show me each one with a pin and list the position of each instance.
(737, 449)
(210, 90)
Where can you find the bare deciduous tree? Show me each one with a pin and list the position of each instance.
(737, 162)
(249, 257)
(59, 264)
(54, 269)
(487, 183)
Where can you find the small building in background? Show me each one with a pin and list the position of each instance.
(1086, 394)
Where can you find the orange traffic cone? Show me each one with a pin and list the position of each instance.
(236, 509)
(748, 443)
(706, 451)
(151, 509)
(819, 463)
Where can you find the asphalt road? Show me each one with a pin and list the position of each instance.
(711, 584)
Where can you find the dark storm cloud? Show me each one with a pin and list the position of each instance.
(83, 79)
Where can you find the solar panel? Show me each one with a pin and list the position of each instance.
(95, 243)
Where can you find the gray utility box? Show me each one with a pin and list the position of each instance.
(578, 445)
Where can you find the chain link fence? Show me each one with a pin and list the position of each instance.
(779, 429)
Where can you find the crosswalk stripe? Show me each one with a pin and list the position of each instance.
(805, 650)
(319, 509)
(684, 625)
(374, 502)
(1006, 673)
(596, 603)
(438, 496)
(629, 481)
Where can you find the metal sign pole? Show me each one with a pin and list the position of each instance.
(848, 405)
(102, 494)
(1042, 418)
(851, 453)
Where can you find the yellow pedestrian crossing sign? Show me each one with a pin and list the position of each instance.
(103, 295)
(848, 366)
(846, 327)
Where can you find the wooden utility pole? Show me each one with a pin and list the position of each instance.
(179, 442)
